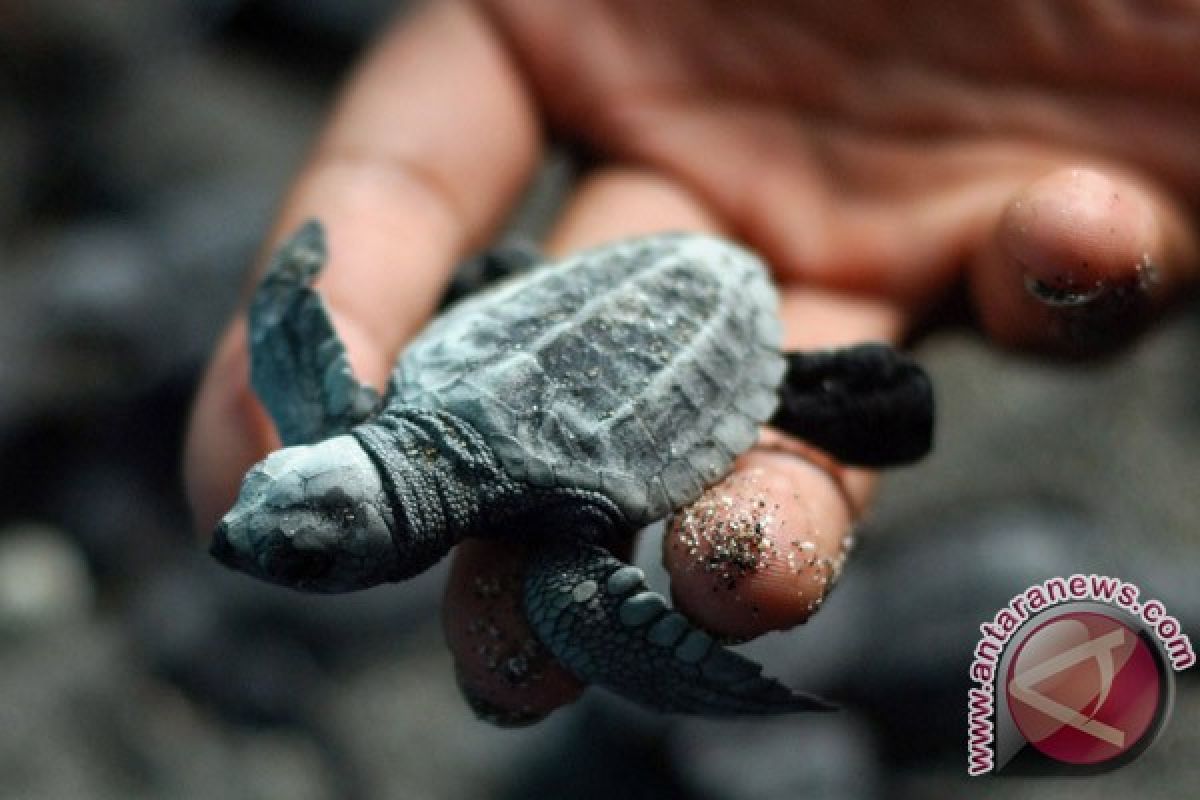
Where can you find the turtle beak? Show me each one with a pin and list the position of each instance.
(221, 549)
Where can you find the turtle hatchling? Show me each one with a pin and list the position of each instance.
(566, 406)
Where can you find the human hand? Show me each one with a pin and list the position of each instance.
(1042, 153)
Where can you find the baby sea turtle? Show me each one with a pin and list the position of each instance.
(567, 406)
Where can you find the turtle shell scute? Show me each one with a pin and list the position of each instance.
(639, 369)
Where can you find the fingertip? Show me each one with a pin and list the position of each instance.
(759, 551)
(1076, 227)
(1077, 261)
(505, 673)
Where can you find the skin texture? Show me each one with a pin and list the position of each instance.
(875, 159)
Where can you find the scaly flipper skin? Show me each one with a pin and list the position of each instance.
(597, 617)
(298, 365)
(867, 405)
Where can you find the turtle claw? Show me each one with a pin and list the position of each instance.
(298, 365)
(596, 616)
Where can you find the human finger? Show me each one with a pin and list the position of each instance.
(422, 156)
(1080, 259)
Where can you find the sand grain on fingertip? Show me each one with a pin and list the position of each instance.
(760, 550)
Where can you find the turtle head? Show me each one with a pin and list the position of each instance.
(311, 517)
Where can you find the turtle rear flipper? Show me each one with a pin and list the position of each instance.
(867, 405)
(298, 365)
(597, 617)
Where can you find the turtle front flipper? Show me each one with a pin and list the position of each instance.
(298, 365)
(596, 616)
(867, 405)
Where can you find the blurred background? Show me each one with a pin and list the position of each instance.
(143, 145)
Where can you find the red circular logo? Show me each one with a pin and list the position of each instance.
(1083, 688)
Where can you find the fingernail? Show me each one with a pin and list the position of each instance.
(1105, 315)
(1063, 294)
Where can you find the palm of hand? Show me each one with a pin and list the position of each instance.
(872, 147)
